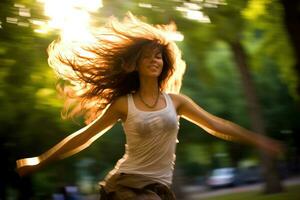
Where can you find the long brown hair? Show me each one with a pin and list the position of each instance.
(97, 73)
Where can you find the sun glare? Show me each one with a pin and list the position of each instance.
(71, 17)
(175, 36)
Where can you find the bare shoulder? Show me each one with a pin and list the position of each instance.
(120, 101)
(120, 105)
(178, 100)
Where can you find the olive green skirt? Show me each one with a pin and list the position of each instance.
(133, 187)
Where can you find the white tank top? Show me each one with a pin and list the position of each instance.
(151, 138)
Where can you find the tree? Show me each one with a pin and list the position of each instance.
(229, 26)
(292, 24)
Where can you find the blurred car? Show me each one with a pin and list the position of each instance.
(223, 177)
(252, 174)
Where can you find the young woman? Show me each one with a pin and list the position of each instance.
(133, 73)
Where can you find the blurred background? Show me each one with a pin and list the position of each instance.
(242, 65)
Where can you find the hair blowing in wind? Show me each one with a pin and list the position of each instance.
(96, 73)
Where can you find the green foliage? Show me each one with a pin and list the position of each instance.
(267, 34)
(30, 106)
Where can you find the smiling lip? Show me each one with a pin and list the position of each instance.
(155, 66)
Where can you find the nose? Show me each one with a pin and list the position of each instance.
(155, 58)
(154, 61)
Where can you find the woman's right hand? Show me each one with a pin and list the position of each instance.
(27, 166)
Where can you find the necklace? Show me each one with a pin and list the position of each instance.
(148, 105)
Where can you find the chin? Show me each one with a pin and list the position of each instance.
(156, 75)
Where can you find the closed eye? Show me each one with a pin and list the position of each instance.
(158, 55)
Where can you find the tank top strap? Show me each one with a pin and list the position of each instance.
(131, 106)
(168, 100)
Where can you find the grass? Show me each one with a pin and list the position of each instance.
(291, 193)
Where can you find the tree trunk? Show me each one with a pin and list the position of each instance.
(271, 174)
(235, 154)
(292, 24)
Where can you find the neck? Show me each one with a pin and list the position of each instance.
(148, 87)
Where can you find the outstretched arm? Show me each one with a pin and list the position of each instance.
(74, 143)
(223, 128)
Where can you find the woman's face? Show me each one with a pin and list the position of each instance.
(151, 62)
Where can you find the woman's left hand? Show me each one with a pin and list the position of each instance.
(271, 147)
